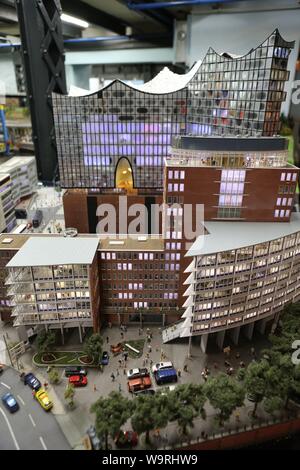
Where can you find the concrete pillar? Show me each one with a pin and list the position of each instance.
(203, 342)
(62, 334)
(22, 333)
(235, 334)
(248, 330)
(261, 326)
(80, 333)
(220, 339)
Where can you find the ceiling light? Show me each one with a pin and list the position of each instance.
(73, 20)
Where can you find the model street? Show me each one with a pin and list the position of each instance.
(30, 427)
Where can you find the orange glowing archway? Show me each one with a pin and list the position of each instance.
(124, 177)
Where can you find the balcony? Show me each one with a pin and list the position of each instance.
(52, 318)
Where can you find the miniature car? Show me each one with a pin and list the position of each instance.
(32, 381)
(43, 399)
(126, 439)
(165, 375)
(139, 384)
(78, 380)
(10, 402)
(161, 365)
(105, 358)
(116, 349)
(135, 373)
(76, 370)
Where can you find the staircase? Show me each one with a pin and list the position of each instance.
(172, 332)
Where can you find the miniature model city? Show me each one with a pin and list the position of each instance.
(209, 137)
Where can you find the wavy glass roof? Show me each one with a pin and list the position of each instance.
(167, 81)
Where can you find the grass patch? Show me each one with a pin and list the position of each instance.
(62, 358)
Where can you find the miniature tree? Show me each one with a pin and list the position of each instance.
(53, 376)
(151, 412)
(225, 394)
(280, 378)
(255, 382)
(93, 348)
(273, 404)
(111, 413)
(45, 342)
(69, 395)
(188, 403)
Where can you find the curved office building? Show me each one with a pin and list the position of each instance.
(239, 273)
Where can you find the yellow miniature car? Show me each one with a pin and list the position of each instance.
(43, 399)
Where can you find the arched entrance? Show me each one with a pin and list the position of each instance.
(124, 176)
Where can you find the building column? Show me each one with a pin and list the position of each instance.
(203, 342)
(249, 330)
(235, 334)
(220, 339)
(261, 326)
(80, 333)
(62, 334)
(22, 333)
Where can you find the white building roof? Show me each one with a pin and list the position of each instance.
(225, 236)
(165, 81)
(51, 251)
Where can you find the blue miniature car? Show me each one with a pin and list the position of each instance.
(32, 381)
(10, 402)
(105, 358)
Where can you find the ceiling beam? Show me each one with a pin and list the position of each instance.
(94, 15)
(162, 17)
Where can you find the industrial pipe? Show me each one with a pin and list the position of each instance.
(136, 37)
(174, 4)
(96, 39)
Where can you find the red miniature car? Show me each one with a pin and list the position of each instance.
(78, 380)
(140, 383)
(116, 349)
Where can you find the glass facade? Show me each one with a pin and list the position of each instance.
(245, 284)
(226, 96)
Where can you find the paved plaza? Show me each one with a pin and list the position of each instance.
(75, 423)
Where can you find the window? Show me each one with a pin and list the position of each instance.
(229, 212)
(278, 202)
(276, 213)
(282, 178)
